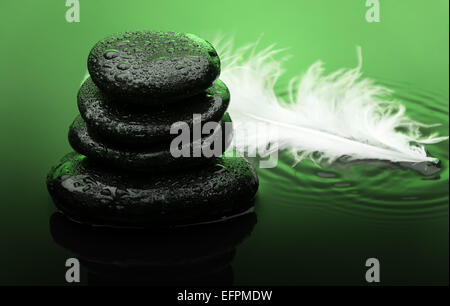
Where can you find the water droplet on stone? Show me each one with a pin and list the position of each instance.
(179, 66)
(111, 53)
(220, 168)
(105, 192)
(123, 66)
(122, 77)
(123, 43)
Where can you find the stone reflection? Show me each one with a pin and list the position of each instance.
(192, 255)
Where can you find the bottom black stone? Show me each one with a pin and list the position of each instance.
(90, 193)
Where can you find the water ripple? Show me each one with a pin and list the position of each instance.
(373, 189)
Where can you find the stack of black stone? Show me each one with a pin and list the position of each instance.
(142, 85)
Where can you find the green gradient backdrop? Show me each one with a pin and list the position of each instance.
(43, 59)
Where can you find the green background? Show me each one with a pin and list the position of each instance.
(43, 60)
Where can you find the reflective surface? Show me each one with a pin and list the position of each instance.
(194, 255)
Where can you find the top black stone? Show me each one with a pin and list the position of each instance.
(153, 67)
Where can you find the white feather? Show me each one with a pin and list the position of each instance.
(325, 117)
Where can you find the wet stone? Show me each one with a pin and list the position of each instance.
(137, 126)
(176, 198)
(128, 169)
(155, 158)
(152, 59)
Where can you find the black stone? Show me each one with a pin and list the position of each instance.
(90, 193)
(128, 124)
(155, 158)
(151, 67)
